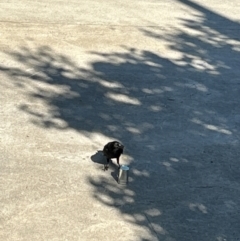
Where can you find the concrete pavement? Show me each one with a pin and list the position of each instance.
(160, 76)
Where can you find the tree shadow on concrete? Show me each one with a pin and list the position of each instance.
(187, 187)
(179, 120)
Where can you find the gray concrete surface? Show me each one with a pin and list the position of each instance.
(162, 77)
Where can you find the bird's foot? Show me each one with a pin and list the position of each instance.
(105, 167)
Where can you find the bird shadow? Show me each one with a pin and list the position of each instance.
(99, 158)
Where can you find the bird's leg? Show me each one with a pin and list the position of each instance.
(107, 165)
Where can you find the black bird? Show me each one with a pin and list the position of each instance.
(112, 149)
